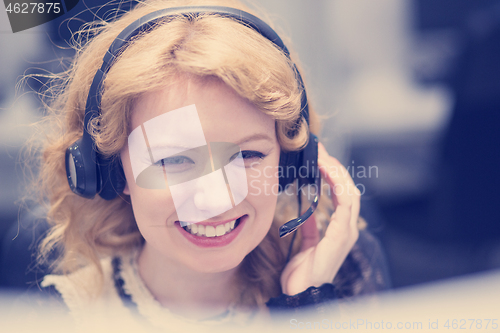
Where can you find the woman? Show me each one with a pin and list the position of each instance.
(196, 110)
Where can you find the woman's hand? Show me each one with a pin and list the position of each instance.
(319, 261)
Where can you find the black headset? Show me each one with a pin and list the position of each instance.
(89, 172)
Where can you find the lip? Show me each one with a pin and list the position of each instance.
(219, 241)
(214, 224)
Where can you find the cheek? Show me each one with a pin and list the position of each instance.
(263, 198)
(146, 203)
(263, 181)
(263, 189)
(151, 206)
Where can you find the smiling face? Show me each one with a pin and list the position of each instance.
(231, 229)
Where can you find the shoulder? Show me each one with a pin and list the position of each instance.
(92, 298)
(85, 288)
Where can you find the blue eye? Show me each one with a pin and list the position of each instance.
(176, 164)
(248, 156)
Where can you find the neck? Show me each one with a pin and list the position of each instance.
(184, 291)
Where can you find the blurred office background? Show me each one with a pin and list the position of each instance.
(409, 90)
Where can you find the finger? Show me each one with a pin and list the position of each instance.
(341, 225)
(332, 168)
(356, 206)
(331, 171)
(310, 234)
(336, 176)
(345, 195)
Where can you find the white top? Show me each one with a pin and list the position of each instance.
(77, 289)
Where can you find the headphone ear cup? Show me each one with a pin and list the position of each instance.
(75, 168)
(289, 163)
(309, 161)
(113, 179)
(301, 164)
(81, 170)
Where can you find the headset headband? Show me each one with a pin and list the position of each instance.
(149, 21)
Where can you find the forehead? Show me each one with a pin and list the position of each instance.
(219, 108)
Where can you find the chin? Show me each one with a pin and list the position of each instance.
(216, 264)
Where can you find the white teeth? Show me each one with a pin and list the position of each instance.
(201, 230)
(209, 230)
(220, 230)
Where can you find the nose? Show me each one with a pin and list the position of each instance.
(212, 196)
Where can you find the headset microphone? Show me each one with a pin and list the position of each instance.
(309, 157)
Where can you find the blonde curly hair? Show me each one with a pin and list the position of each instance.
(86, 230)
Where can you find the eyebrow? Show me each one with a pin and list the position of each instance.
(255, 137)
(169, 146)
